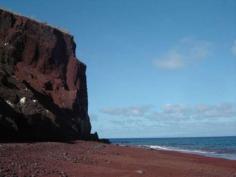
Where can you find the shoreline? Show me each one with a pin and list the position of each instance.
(217, 147)
(184, 151)
(83, 159)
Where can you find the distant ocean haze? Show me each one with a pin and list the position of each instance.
(220, 147)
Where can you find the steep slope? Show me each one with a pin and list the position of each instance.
(43, 92)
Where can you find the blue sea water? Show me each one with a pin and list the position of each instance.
(221, 147)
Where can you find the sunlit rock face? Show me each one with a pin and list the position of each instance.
(43, 92)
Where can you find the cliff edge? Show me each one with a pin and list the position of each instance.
(43, 92)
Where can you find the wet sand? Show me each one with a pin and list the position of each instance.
(91, 159)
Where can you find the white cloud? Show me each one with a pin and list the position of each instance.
(183, 54)
(193, 48)
(216, 111)
(131, 111)
(233, 48)
(172, 60)
(168, 120)
(172, 108)
(174, 112)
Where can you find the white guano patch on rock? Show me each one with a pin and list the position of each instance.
(10, 104)
(23, 100)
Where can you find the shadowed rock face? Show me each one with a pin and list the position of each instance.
(43, 92)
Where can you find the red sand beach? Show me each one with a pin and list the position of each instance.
(91, 159)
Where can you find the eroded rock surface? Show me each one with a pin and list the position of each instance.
(43, 92)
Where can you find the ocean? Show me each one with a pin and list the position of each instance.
(220, 147)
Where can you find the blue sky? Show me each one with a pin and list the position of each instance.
(156, 68)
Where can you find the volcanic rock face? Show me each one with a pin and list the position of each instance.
(43, 92)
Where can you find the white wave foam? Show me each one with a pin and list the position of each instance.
(160, 147)
(179, 150)
(194, 151)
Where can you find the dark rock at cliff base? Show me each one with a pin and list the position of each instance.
(43, 92)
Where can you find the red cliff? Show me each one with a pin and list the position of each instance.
(43, 92)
